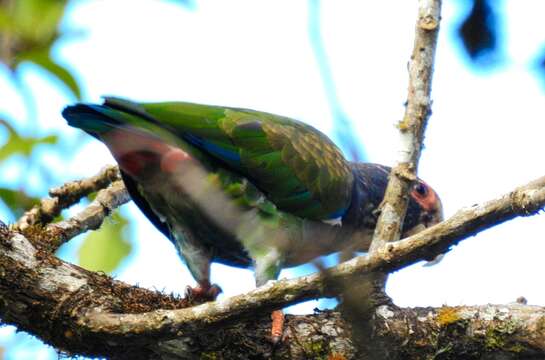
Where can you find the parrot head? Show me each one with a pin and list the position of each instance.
(424, 209)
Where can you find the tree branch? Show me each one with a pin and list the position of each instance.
(91, 217)
(463, 332)
(53, 297)
(65, 196)
(396, 198)
(86, 309)
(413, 125)
(390, 257)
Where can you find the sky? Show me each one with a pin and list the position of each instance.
(483, 139)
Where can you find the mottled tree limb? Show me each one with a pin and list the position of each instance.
(511, 331)
(390, 257)
(46, 296)
(396, 197)
(54, 297)
(65, 196)
(89, 311)
(411, 128)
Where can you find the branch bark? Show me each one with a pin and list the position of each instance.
(396, 198)
(90, 218)
(413, 125)
(51, 299)
(88, 313)
(65, 196)
(465, 332)
(523, 201)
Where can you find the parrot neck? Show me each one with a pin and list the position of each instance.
(369, 185)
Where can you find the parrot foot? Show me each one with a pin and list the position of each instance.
(277, 328)
(203, 292)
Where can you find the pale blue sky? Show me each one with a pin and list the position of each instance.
(484, 137)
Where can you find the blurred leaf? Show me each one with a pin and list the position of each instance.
(18, 144)
(17, 201)
(43, 59)
(104, 249)
(28, 25)
(479, 32)
(28, 30)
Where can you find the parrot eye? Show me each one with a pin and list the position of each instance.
(421, 189)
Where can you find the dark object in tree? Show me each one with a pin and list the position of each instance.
(479, 32)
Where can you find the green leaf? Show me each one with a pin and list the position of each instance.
(104, 249)
(43, 59)
(18, 144)
(17, 201)
(37, 21)
(30, 27)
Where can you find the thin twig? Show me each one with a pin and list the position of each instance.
(91, 217)
(412, 126)
(369, 292)
(65, 196)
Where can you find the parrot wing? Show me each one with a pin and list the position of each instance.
(297, 167)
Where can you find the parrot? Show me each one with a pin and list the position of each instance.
(244, 188)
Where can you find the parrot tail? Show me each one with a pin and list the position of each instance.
(93, 119)
(113, 113)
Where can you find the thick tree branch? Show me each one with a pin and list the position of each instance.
(511, 331)
(86, 309)
(523, 201)
(52, 297)
(464, 332)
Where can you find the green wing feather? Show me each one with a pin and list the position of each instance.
(298, 167)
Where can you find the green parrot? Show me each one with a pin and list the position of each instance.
(242, 187)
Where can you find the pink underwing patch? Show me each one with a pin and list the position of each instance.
(171, 160)
(138, 152)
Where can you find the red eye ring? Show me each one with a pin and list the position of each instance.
(421, 189)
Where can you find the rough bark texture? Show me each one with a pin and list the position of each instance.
(467, 332)
(53, 300)
(87, 313)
